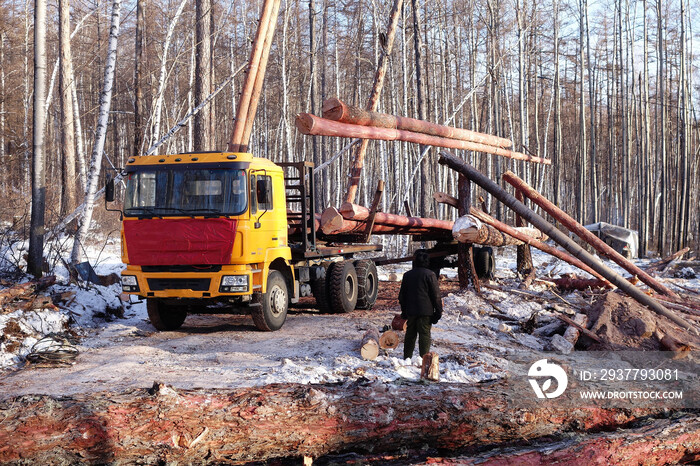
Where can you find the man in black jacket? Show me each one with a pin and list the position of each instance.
(421, 304)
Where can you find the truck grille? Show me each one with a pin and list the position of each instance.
(194, 284)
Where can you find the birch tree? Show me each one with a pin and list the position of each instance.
(101, 133)
(36, 232)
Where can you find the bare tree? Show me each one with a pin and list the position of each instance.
(69, 198)
(202, 77)
(36, 233)
(101, 132)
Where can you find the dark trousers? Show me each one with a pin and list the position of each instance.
(418, 326)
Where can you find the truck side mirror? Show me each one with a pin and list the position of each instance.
(109, 190)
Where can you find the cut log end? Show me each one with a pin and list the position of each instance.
(389, 340)
(333, 109)
(399, 323)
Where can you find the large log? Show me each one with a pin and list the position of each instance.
(245, 102)
(315, 126)
(658, 441)
(535, 243)
(468, 229)
(575, 227)
(253, 424)
(337, 110)
(260, 76)
(333, 223)
(356, 212)
(562, 239)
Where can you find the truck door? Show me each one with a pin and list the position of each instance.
(263, 212)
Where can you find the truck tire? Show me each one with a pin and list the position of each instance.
(270, 312)
(342, 286)
(319, 288)
(165, 318)
(367, 283)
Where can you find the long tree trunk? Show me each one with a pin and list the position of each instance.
(426, 188)
(202, 81)
(36, 233)
(137, 147)
(69, 197)
(162, 79)
(101, 133)
(661, 131)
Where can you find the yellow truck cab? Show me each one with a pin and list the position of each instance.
(229, 233)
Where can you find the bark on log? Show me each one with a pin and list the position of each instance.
(253, 424)
(661, 441)
(314, 126)
(369, 347)
(388, 340)
(562, 239)
(245, 102)
(572, 333)
(430, 369)
(337, 110)
(670, 343)
(444, 198)
(356, 212)
(575, 227)
(333, 223)
(398, 323)
(534, 243)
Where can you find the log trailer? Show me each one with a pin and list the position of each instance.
(226, 232)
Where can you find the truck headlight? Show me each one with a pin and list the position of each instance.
(234, 283)
(129, 283)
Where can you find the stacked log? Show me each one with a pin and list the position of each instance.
(337, 110)
(335, 222)
(312, 125)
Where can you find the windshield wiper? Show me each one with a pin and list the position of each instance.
(210, 211)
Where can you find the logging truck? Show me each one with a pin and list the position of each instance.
(225, 232)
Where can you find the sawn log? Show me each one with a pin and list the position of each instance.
(280, 421)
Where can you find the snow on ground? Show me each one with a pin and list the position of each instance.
(474, 338)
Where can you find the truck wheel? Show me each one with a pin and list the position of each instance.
(342, 286)
(367, 283)
(165, 318)
(272, 311)
(319, 288)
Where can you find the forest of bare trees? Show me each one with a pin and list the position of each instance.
(608, 90)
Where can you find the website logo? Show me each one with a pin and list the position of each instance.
(547, 370)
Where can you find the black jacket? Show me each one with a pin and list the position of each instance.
(420, 294)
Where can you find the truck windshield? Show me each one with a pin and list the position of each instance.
(167, 192)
